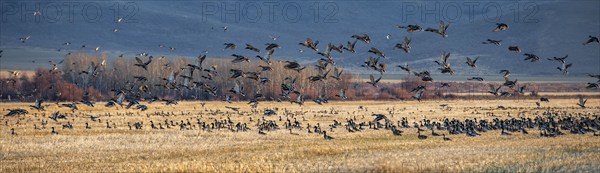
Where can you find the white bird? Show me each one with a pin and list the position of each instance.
(14, 73)
(23, 39)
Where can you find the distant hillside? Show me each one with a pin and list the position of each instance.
(562, 27)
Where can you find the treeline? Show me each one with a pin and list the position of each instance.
(70, 80)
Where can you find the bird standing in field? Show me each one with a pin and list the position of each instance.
(327, 137)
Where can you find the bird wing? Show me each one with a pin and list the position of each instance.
(446, 27)
(201, 60)
(469, 61)
(492, 87)
(149, 60)
(121, 98)
(445, 57)
(378, 79)
(139, 61)
(442, 26)
(419, 94)
(567, 66)
(172, 76)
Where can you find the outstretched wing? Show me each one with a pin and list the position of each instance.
(201, 60)
(378, 79)
(139, 61)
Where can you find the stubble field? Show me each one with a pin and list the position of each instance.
(193, 149)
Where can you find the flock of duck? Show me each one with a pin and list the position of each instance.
(550, 123)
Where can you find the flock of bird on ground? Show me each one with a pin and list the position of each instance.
(127, 96)
(550, 121)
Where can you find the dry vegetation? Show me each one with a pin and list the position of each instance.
(173, 150)
(66, 82)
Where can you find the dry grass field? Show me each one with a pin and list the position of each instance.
(119, 149)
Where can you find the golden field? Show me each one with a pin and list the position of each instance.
(119, 149)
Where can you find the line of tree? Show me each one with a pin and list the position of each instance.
(69, 82)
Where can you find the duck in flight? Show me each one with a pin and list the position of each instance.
(500, 27)
(411, 28)
(581, 102)
(229, 46)
(365, 38)
(309, 43)
(143, 64)
(377, 52)
(441, 30)
(252, 48)
(561, 60)
(495, 42)
(350, 46)
(471, 62)
(565, 68)
(515, 49)
(444, 64)
(405, 46)
(374, 81)
(592, 39)
(531, 57)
